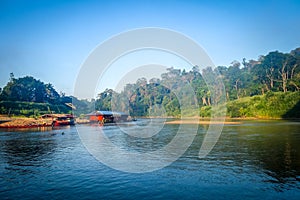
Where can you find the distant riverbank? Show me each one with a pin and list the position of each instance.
(25, 122)
(206, 122)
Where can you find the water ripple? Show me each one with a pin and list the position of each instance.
(251, 160)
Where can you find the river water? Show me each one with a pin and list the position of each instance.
(252, 160)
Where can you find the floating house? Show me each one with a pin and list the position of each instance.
(107, 117)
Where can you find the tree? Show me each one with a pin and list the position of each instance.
(29, 89)
(11, 77)
(275, 71)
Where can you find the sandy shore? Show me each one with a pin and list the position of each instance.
(26, 123)
(200, 122)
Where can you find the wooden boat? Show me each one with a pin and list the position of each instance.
(60, 119)
(64, 121)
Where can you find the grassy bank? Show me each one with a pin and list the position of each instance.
(30, 109)
(270, 105)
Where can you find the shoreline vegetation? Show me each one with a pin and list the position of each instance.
(27, 122)
(24, 122)
(266, 88)
(201, 122)
(270, 106)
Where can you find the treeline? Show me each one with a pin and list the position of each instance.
(27, 96)
(275, 76)
(28, 89)
(274, 72)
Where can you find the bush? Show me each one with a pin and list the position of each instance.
(30, 108)
(205, 111)
(270, 105)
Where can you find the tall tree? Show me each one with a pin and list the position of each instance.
(30, 90)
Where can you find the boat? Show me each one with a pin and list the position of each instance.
(60, 119)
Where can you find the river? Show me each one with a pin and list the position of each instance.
(252, 160)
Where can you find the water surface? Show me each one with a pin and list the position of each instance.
(253, 160)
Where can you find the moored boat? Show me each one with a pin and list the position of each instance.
(61, 119)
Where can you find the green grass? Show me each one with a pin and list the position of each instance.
(30, 109)
(270, 105)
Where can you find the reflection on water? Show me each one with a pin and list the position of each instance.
(26, 149)
(276, 149)
(251, 160)
(272, 147)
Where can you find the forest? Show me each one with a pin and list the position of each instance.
(27, 96)
(264, 88)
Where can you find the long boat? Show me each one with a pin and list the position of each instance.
(60, 119)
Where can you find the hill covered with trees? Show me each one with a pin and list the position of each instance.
(270, 80)
(27, 96)
(268, 87)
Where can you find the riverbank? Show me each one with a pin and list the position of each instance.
(228, 120)
(25, 123)
(201, 122)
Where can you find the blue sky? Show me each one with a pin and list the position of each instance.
(51, 39)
